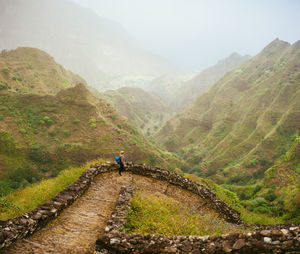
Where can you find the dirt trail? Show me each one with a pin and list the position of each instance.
(79, 226)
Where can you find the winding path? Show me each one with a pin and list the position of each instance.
(78, 227)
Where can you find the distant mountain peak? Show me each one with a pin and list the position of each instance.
(276, 45)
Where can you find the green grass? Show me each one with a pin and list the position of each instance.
(164, 215)
(24, 200)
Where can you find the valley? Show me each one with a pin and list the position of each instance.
(210, 152)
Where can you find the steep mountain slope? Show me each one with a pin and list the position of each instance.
(45, 128)
(178, 92)
(30, 70)
(206, 78)
(41, 135)
(245, 120)
(144, 109)
(282, 183)
(98, 49)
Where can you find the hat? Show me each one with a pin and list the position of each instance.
(121, 152)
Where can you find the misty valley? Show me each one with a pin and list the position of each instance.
(76, 89)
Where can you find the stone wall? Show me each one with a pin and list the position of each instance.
(115, 240)
(28, 223)
(271, 239)
(212, 200)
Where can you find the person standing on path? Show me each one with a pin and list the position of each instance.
(122, 163)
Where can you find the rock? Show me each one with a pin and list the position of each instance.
(284, 231)
(2, 237)
(265, 232)
(276, 232)
(267, 240)
(240, 243)
(227, 247)
(114, 240)
(170, 249)
(37, 216)
(276, 242)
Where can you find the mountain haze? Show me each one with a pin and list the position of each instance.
(99, 50)
(144, 109)
(246, 119)
(178, 92)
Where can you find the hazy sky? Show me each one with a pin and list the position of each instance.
(198, 33)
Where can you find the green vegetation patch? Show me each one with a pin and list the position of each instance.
(164, 215)
(24, 200)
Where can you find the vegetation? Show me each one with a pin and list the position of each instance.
(24, 200)
(151, 214)
(144, 109)
(247, 118)
(29, 70)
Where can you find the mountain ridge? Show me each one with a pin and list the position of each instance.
(252, 96)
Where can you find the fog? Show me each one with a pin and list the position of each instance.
(197, 33)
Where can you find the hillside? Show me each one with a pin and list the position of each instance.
(30, 70)
(206, 78)
(144, 109)
(243, 123)
(96, 48)
(178, 92)
(45, 128)
(282, 184)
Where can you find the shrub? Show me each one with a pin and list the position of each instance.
(152, 159)
(47, 120)
(23, 131)
(93, 125)
(76, 121)
(270, 195)
(53, 132)
(113, 116)
(5, 71)
(67, 133)
(191, 140)
(1, 117)
(253, 162)
(257, 188)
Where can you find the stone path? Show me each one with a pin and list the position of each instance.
(79, 226)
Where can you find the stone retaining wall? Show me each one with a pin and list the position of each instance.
(28, 223)
(213, 201)
(272, 239)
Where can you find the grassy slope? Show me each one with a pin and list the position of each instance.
(245, 120)
(206, 78)
(52, 132)
(159, 214)
(42, 133)
(145, 110)
(30, 70)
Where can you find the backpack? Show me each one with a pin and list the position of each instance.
(118, 159)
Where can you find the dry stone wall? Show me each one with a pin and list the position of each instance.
(268, 239)
(28, 223)
(279, 239)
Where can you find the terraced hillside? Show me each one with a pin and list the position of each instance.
(144, 109)
(247, 120)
